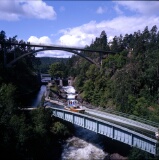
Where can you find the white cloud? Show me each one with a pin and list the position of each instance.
(12, 10)
(100, 10)
(142, 7)
(118, 10)
(79, 36)
(82, 35)
(57, 53)
(42, 40)
(46, 40)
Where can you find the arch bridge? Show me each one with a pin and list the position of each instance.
(44, 47)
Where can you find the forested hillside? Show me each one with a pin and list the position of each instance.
(127, 81)
(45, 62)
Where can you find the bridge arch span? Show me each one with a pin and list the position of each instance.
(39, 50)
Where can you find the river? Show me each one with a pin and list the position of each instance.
(85, 145)
(88, 145)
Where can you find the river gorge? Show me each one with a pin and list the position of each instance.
(85, 144)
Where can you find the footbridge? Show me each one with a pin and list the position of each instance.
(32, 48)
(132, 133)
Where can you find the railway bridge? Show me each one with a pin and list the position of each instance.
(130, 132)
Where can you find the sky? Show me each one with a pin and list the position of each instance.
(74, 23)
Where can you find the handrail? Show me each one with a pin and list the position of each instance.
(132, 117)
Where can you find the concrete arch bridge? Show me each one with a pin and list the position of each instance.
(44, 47)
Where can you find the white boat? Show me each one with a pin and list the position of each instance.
(72, 103)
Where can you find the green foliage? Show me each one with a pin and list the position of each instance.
(79, 82)
(20, 129)
(92, 72)
(45, 62)
(131, 104)
(88, 90)
(41, 121)
(60, 130)
(7, 95)
(57, 70)
(140, 108)
(137, 154)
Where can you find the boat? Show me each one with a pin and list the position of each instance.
(78, 109)
(72, 103)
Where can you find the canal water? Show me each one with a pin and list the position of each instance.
(38, 96)
(35, 98)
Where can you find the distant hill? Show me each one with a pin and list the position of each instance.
(47, 61)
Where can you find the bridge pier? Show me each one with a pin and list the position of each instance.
(131, 140)
(97, 126)
(100, 58)
(5, 56)
(112, 132)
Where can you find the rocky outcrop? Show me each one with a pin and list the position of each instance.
(115, 156)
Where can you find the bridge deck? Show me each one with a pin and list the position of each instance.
(109, 129)
(129, 123)
(122, 120)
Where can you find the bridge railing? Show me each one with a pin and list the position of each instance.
(129, 116)
(133, 117)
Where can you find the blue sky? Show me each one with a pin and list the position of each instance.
(74, 23)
